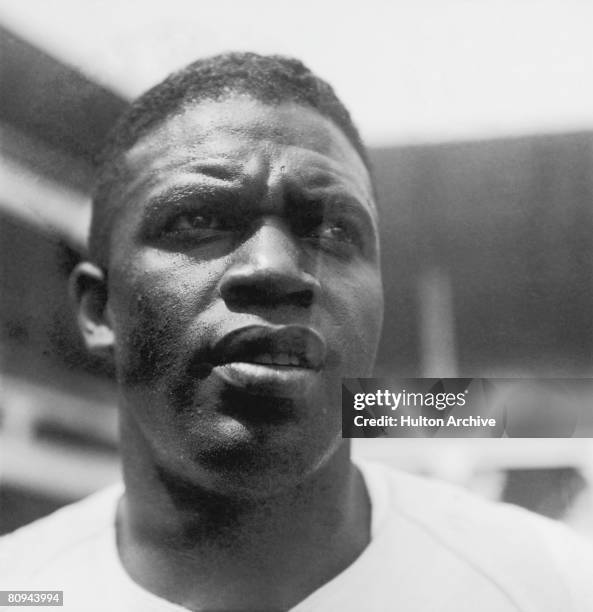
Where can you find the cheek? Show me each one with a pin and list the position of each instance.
(160, 287)
(357, 320)
(367, 330)
(153, 303)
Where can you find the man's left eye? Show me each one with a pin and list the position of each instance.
(335, 231)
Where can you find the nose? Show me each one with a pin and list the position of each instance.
(267, 270)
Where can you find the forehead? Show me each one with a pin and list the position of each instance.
(241, 137)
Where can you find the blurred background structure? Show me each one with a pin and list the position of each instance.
(480, 122)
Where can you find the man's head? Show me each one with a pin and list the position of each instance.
(272, 80)
(238, 280)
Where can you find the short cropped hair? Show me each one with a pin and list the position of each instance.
(271, 79)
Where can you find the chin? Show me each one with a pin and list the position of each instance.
(216, 438)
(238, 461)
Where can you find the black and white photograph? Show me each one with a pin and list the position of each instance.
(243, 244)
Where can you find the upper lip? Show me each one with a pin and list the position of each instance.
(288, 345)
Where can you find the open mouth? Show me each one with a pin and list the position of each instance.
(290, 345)
(282, 361)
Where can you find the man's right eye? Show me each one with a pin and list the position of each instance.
(195, 221)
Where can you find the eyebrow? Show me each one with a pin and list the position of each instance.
(325, 179)
(220, 170)
(335, 195)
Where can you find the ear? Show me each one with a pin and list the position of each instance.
(88, 291)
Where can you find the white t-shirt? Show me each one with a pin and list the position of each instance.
(433, 548)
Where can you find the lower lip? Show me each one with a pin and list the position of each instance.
(260, 379)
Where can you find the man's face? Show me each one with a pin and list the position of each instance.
(243, 283)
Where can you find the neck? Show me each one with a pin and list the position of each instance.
(205, 550)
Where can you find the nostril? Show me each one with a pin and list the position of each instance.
(303, 298)
(246, 295)
(240, 295)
